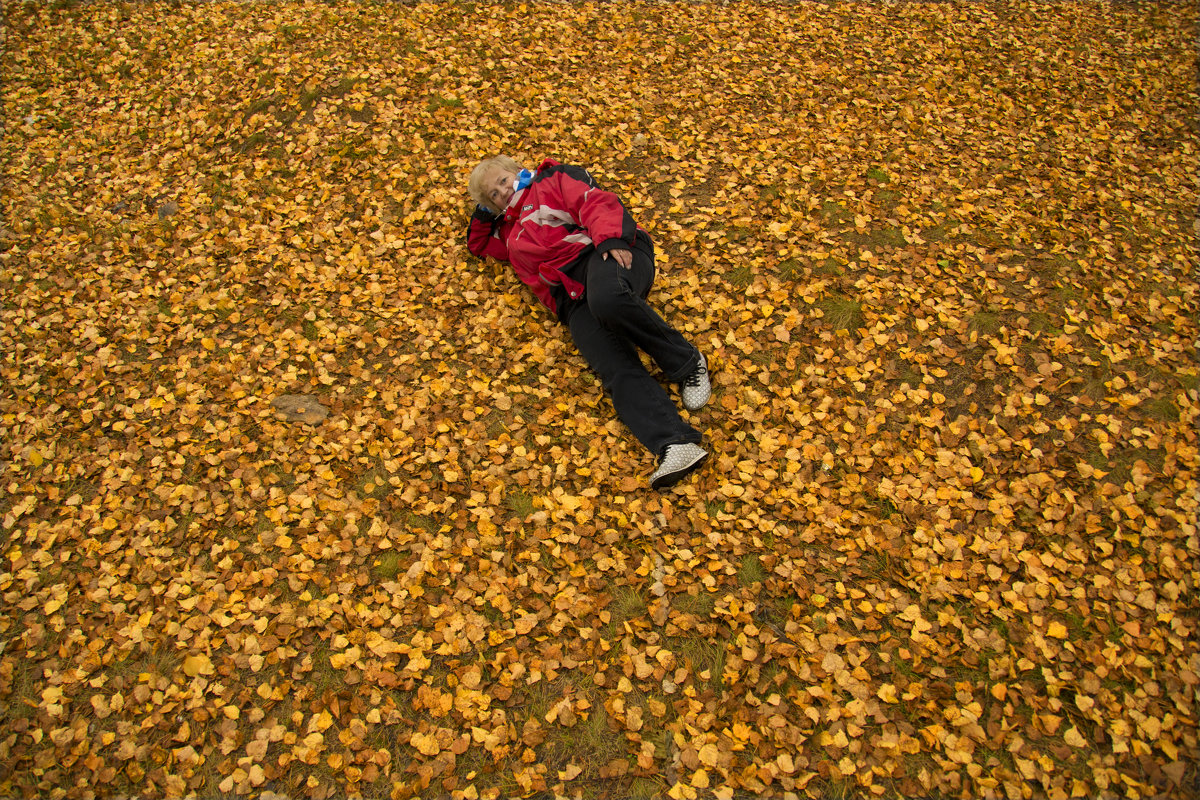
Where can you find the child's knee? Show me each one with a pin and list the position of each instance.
(611, 300)
(605, 309)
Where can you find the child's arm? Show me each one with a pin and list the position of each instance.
(484, 237)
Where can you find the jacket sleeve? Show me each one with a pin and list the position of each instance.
(483, 235)
(601, 213)
(485, 238)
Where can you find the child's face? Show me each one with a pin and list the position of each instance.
(498, 187)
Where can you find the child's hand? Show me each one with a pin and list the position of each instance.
(622, 257)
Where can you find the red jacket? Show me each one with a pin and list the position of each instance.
(556, 222)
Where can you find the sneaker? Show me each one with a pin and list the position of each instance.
(677, 462)
(696, 388)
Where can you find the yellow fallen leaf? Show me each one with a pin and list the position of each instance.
(1072, 737)
(197, 665)
(417, 661)
(425, 743)
(1057, 630)
(347, 658)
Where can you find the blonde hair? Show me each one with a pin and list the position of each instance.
(480, 173)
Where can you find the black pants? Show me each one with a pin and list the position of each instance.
(610, 325)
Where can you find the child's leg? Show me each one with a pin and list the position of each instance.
(616, 297)
(640, 401)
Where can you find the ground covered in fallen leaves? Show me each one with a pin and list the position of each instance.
(942, 260)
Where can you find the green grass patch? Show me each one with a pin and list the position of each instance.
(706, 657)
(1096, 385)
(700, 604)
(345, 86)
(1115, 469)
(387, 566)
(373, 483)
(740, 277)
(1042, 322)
(737, 234)
(770, 193)
(1190, 381)
(253, 142)
(362, 115)
(626, 605)
(589, 744)
(1066, 294)
(880, 238)
(1049, 267)
(437, 103)
(986, 322)
(645, 789)
(321, 675)
(541, 696)
(887, 198)
(829, 268)
(936, 233)
(420, 523)
(842, 312)
(1160, 408)
(520, 503)
(886, 507)
(751, 571)
(309, 98)
(260, 106)
(834, 789)
(878, 175)
(790, 269)
(835, 213)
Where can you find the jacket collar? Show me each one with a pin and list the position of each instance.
(514, 205)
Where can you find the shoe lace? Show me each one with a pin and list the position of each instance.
(693, 381)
